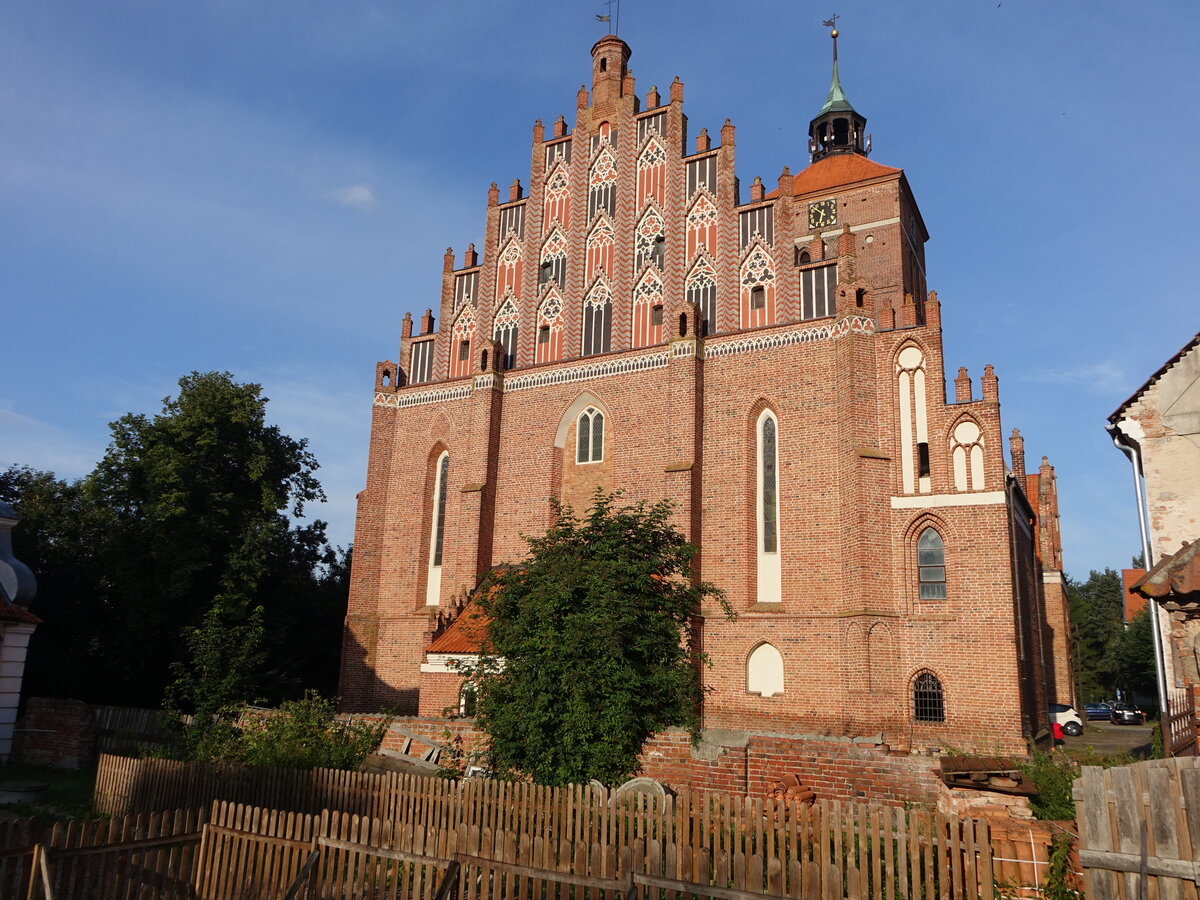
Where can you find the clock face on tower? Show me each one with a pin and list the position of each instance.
(822, 214)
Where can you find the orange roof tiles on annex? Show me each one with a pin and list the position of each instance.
(466, 634)
(834, 171)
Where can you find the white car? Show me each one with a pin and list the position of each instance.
(1068, 718)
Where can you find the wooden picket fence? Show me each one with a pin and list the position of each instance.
(1011, 853)
(829, 850)
(1140, 829)
(129, 730)
(132, 857)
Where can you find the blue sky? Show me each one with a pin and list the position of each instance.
(266, 187)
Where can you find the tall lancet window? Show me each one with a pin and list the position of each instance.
(437, 531)
(767, 513)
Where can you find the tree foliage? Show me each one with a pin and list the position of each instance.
(185, 536)
(1112, 655)
(1097, 616)
(591, 644)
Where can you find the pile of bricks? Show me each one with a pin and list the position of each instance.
(789, 789)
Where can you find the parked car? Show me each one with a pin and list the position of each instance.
(1127, 714)
(1067, 717)
(1098, 711)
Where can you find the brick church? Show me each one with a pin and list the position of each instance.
(772, 363)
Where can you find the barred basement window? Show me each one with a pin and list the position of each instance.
(931, 565)
(589, 436)
(928, 703)
(817, 289)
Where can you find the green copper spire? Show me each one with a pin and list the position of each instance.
(838, 127)
(836, 101)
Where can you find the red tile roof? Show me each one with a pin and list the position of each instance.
(1134, 602)
(1176, 574)
(835, 171)
(466, 634)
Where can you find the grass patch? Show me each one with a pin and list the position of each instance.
(69, 796)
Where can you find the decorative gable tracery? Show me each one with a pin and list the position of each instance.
(508, 270)
(556, 208)
(649, 240)
(651, 174)
(550, 327)
(648, 309)
(702, 291)
(702, 226)
(757, 288)
(553, 267)
(600, 245)
(602, 184)
(504, 331)
(463, 344)
(597, 319)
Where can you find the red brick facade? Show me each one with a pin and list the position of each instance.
(869, 450)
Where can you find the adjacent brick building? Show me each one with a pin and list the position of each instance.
(772, 364)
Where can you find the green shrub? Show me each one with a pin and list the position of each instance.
(300, 734)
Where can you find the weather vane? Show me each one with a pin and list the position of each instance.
(831, 22)
(613, 26)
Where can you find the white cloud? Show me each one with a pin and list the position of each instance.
(41, 445)
(1104, 377)
(356, 196)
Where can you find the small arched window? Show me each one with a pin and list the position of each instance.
(931, 565)
(468, 699)
(929, 704)
(589, 436)
(764, 671)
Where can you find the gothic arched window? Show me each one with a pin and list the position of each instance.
(437, 530)
(589, 436)
(702, 290)
(767, 509)
(931, 565)
(505, 333)
(597, 320)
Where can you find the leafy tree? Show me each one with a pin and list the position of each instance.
(1097, 614)
(591, 644)
(202, 496)
(61, 537)
(179, 548)
(1133, 657)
